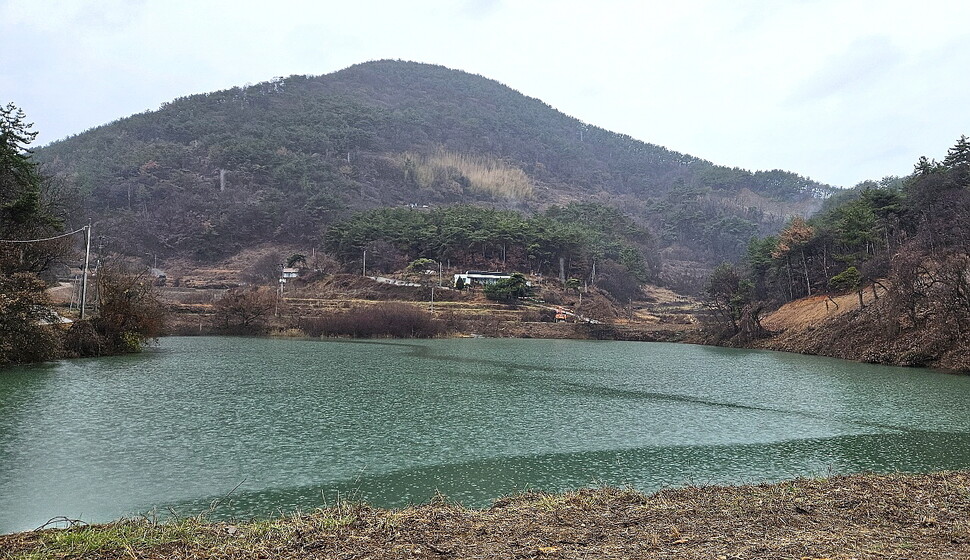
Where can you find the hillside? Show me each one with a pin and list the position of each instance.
(207, 175)
(839, 327)
(879, 275)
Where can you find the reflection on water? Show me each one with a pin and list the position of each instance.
(294, 423)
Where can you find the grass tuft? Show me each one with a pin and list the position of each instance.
(126, 535)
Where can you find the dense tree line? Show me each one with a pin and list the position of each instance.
(579, 238)
(907, 240)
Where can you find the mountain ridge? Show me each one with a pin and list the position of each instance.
(210, 173)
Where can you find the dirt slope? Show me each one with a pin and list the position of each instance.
(840, 327)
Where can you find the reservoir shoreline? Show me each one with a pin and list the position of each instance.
(859, 516)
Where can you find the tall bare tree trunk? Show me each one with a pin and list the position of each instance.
(808, 282)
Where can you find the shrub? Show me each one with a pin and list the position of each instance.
(82, 339)
(508, 289)
(398, 320)
(23, 309)
(617, 281)
(244, 310)
(847, 280)
(129, 312)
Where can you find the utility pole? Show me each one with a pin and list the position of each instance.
(279, 291)
(365, 263)
(87, 260)
(98, 263)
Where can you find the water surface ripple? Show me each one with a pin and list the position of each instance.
(297, 423)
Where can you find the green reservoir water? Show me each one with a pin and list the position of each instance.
(297, 424)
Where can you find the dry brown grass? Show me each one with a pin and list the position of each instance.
(484, 174)
(810, 311)
(385, 319)
(861, 517)
(875, 334)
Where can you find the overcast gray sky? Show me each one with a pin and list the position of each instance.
(840, 91)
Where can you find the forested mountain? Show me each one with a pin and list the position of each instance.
(283, 160)
(902, 246)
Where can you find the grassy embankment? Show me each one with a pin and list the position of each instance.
(862, 517)
(843, 327)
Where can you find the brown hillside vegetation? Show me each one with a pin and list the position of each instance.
(805, 313)
(838, 327)
(446, 170)
(860, 517)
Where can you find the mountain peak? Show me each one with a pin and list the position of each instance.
(284, 158)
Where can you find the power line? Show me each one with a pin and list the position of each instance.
(87, 256)
(44, 239)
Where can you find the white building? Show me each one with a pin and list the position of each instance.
(480, 277)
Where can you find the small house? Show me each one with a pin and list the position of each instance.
(159, 278)
(480, 277)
